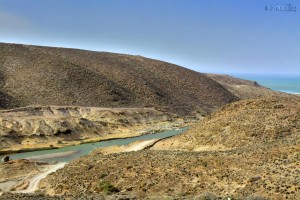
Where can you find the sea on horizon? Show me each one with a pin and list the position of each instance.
(283, 83)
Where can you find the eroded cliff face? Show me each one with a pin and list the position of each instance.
(55, 125)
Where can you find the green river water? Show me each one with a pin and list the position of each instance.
(84, 149)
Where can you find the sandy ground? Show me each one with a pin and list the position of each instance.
(141, 145)
(134, 146)
(52, 155)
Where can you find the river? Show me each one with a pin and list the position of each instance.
(66, 154)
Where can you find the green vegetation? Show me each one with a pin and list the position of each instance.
(102, 175)
(107, 187)
(207, 196)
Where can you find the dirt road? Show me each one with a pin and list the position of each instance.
(34, 182)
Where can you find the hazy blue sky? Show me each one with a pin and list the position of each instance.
(231, 36)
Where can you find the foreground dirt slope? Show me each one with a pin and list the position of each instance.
(32, 75)
(268, 172)
(36, 127)
(255, 155)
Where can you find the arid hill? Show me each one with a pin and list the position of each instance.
(243, 123)
(247, 150)
(34, 75)
(245, 174)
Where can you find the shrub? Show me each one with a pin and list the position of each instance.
(206, 196)
(102, 175)
(256, 197)
(107, 187)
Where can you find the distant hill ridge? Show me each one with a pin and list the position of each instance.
(35, 75)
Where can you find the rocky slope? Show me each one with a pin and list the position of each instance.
(33, 75)
(243, 123)
(268, 172)
(246, 150)
(38, 127)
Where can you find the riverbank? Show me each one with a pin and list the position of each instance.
(50, 127)
(65, 154)
(34, 181)
(123, 134)
(23, 173)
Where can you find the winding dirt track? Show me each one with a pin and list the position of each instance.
(34, 182)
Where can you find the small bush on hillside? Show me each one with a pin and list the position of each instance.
(102, 175)
(256, 197)
(206, 196)
(107, 187)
